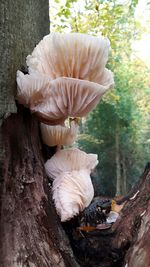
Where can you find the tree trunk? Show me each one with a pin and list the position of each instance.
(126, 243)
(133, 228)
(22, 26)
(118, 166)
(30, 233)
(124, 176)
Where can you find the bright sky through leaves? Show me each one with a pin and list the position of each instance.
(141, 47)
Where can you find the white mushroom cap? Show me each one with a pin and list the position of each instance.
(68, 160)
(67, 76)
(72, 193)
(53, 101)
(59, 135)
(72, 55)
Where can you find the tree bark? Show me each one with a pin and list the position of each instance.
(30, 233)
(118, 166)
(22, 26)
(127, 242)
(133, 228)
(124, 176)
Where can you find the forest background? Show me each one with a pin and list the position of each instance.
(118, 128)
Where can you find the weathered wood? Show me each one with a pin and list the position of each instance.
(30, 232)
(118, 167)
(127, 242)
(133, 228)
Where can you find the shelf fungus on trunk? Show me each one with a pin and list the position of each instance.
(72, 186)
(67, 76)
(57, 135)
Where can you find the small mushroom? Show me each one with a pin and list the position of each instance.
(60, 134)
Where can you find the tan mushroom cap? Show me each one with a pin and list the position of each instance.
(72, 193)
(74, 55)
(59, 134)
(68, 160)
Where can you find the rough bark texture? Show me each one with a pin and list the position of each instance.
(22, 26)
(124, 176)
(127, 242)
(133, 228)
(118, 168)
(30, 233)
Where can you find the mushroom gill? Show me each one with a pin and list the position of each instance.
(74, 55)
(54, 101)
(59, 134)
(72, 193)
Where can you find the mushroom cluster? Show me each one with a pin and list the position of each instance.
(67, 78)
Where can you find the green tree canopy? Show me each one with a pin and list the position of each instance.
(118, 129)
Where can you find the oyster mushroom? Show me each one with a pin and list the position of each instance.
(72, 186)
(72, 193)
(74, 55)
(68, 75)
(54, 101)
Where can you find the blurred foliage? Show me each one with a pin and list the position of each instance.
(127, 107)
